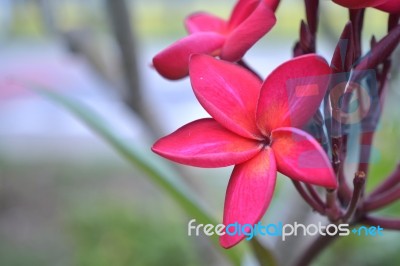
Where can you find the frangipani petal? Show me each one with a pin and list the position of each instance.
(245, 35)
(292, 93)
(201, 21)
(299, 156)
(227, 92)
(391, 6)
(273, 4)
(355, 4)
(205, 143)
(172, 62)
(249, 194)
(242, 11)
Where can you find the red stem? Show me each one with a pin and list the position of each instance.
(357, 18)
(358, 182)
(312, 15)
(344, 190)
(333, 211)
(382, 200)
(393, 21)
(391, 181)
(365, 153)
(314, 194)
(387, 223)
(310, 201)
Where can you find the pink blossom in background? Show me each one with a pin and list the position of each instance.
(229, 39)
(52, 73)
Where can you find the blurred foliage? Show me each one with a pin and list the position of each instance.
(27, 20)
(13, 255)
(386, 158)
(92, 212)
(114, 236)
(362, 250)
(164, 20)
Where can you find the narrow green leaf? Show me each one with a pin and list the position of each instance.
(152, 170)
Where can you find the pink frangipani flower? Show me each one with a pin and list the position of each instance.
(250, 20)
(390, 6)
(255, 127)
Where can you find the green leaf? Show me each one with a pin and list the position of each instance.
(155, 173)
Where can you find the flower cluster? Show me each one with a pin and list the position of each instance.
(259, 125)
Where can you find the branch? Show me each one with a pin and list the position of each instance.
(119, 15)
(120, 22)
(358, 182)
(390, 181)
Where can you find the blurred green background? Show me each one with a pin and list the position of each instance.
(66, 198)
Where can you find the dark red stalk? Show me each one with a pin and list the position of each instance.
(310, 201)
(312, 15)
(365, 153)
(344, 190)
(314, 195)
(392, 180)
(307, 41)
(380, 52)
(393, 21)
(342, 59)
(357, 19)
(382, 200)
(384, 79)
(358, 182)
(332, 210)
(387, 223)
